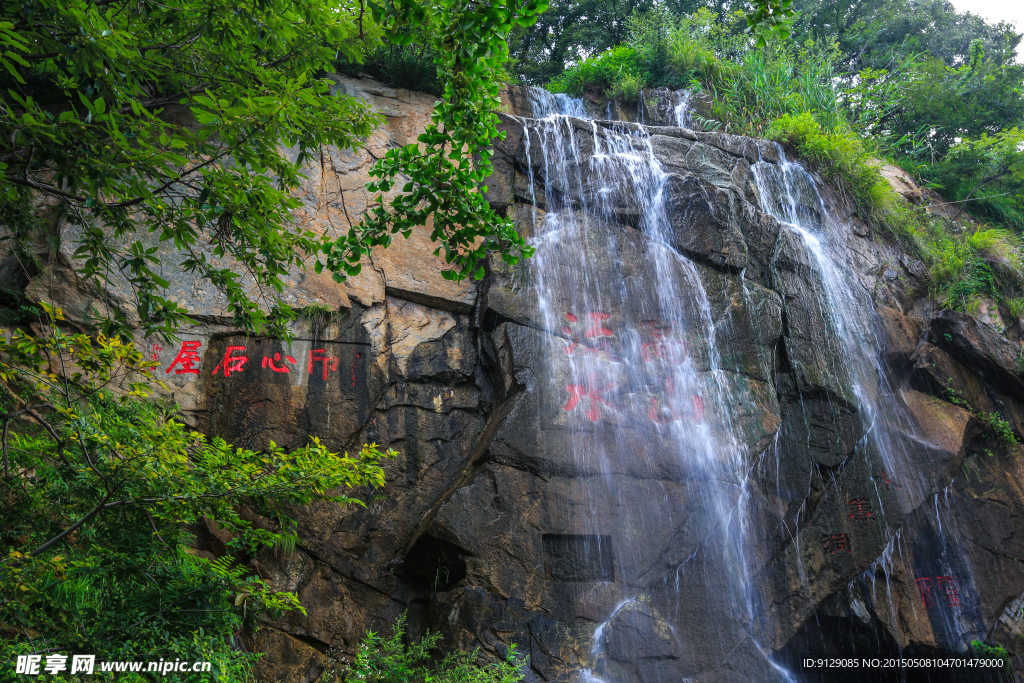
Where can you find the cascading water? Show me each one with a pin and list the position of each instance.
(636, 361)
(721, 454)
(790, 194)
(682, 110)
(544, 103)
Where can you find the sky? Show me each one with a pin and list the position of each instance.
(997, 10)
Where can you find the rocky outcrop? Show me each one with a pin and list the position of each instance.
(493, 529)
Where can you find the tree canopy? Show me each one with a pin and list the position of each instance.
(170, 118)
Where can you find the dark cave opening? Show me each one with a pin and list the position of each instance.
(434, 564)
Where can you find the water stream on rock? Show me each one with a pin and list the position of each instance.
(667, 530)
(643, 408)
(790, 193)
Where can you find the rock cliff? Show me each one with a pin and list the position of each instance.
(482, 531)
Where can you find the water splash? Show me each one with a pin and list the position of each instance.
(852, 367)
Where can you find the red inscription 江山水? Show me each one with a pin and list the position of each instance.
(595, 397)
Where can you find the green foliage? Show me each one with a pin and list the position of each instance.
(999, 430)
(604, 72)
(568, 31)
(951, 395)
(401, 66)
(770, 19)
(390, 660)
(99, 485)
(95, 95)
(872, 32)
(165, 122)
(841, 157)
(573, 30)
(442, 175)
(781, 81)
(981, 264)
(749, 87)
(988, 172)
(995, 427)
(983, 650)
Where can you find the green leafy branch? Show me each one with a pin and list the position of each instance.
(442, 175)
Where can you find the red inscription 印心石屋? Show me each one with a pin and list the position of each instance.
(834, 543)
(924, 586)
(272, 363)
(859, 509)
(944, 588)
(187, 358)
(231, 362)
(949, 588)
(329, 363)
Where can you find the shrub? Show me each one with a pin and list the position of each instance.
(599, 72)
(400, 66)
(390, 660)
(626, 87)
(841, 158)
(985, 263)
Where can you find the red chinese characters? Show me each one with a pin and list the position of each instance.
(358, 356)
(156, 351)
(944, 588)
(272, 363)
(836, 543)
(659, 347)
(235, 361)
(329, 363)
(885, 478)
(231, 362)
(860, 509)
(187, 358)
(597, 328)
(595, 398)
(597, 335)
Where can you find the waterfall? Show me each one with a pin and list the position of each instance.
(791, 194)
(682, 111)
(643, 405)
(544, 103)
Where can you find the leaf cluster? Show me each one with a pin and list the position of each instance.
(100, 485)
(389, 659)
(168, 118)
(442, 175)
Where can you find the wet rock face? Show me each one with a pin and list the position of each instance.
(526, 508)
